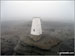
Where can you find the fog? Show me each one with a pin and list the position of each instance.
(57, 23)
(46, 10)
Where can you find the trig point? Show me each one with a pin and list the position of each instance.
(36, 29)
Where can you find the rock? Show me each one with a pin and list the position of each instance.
(25, 49)
(45, 42)
(27, 46)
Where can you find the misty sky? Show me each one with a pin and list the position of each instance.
(47, 10)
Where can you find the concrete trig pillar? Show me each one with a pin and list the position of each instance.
(36, 29)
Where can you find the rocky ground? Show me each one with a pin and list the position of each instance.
(57, 37)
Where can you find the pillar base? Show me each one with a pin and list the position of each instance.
(35, 37)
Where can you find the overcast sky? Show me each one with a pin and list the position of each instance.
(47, 10)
